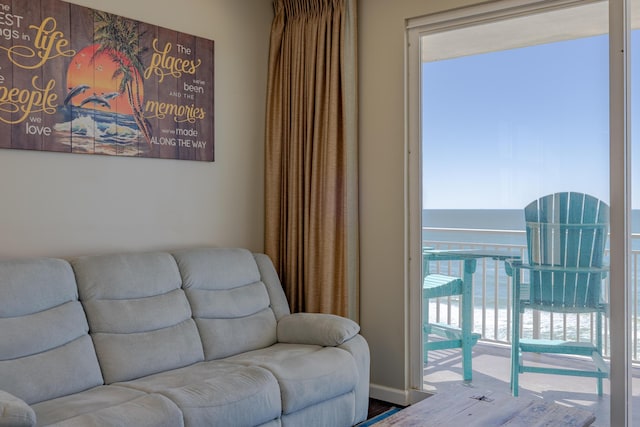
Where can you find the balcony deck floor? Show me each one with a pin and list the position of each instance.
(491, 371)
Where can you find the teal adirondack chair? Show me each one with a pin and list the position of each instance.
(437, 286)
(566, 238)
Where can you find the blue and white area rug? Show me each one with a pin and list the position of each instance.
(379, 417)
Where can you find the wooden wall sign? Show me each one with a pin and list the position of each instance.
(78, 80)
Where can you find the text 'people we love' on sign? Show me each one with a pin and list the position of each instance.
(78, 80)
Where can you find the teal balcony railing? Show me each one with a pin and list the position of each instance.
(492, 292)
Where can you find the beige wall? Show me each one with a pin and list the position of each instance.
(382, 178)
(65, 205)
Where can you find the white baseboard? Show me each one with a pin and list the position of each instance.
(395, 395)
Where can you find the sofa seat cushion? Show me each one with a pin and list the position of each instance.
(109, 406)
(307, 374)
(217, 393)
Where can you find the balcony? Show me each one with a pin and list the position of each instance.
(492, 319)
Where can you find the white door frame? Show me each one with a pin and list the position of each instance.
(620, 181)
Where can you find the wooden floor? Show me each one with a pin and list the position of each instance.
(377, 407)
(491, 371)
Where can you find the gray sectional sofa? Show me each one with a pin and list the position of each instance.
(200, 337)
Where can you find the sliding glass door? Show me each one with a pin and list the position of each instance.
(507, 103)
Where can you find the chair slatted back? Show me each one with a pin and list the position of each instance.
(566, 231)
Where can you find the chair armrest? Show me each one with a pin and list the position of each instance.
(326, 330)
(14, 412)
(514, 264)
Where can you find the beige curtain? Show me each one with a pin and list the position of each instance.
(311, 197)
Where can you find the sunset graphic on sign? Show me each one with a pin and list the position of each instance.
(93, 82)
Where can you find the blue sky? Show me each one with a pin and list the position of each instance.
(503, 128)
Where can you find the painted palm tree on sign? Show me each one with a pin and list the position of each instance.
(119, 38)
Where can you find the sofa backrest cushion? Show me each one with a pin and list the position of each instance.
(232, 306)
(139, 316)
(269, 277)
(45, 348)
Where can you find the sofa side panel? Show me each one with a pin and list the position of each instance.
(336, 412)
(43, 332)
(138, 314)
(359, 349)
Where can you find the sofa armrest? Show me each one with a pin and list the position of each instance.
(14, 412)
(327, 330)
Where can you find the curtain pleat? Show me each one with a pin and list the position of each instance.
(311, 203)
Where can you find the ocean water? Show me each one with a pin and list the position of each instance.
(488, 219)
(474, 219)
(495, 219)
(98, 132)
